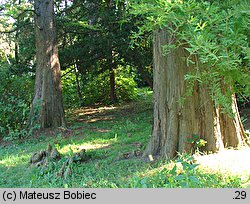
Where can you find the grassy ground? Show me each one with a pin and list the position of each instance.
(113, 137)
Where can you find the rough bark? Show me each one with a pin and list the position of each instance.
(47, 107)
(175, 122)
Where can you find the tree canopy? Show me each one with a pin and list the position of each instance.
(215, 32)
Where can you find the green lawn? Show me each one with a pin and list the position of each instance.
(111, 135)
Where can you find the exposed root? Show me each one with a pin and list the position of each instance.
(43, 158)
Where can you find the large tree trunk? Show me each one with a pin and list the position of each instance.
(47, 107)
(176, 122)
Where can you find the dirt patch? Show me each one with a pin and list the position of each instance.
(235, 162)
(108, 113)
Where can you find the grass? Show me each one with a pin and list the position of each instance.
(110, 135)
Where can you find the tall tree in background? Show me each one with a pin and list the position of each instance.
(110, 56)
(47, 107)
(16, 19)
(96, 35)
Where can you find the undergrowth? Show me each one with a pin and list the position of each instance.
(111, 136)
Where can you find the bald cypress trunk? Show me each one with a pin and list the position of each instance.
(175, 123)
(47, 107)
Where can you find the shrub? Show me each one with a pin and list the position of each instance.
(96, 89)
(125, 85)
(16, 93)
(70, 98)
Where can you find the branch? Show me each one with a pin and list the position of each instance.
(15, 29)
(28, 10)
(19, 15)
(67, 72)
(25, 11)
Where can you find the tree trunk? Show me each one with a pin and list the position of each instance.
(145, 76)
(175, 123)
(110, 57)
(112, 85)
(78, 86)
(47, 107)
(16, 48)
(138, 59)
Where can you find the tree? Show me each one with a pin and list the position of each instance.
(47, 106)
(100, 31)
(176, 123)
(19, 31)
(198, 67)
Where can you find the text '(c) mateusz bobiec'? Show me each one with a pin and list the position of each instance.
(36, 195)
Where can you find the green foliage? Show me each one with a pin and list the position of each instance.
(96, 88)
(183, 173)
(197, 142)
(104, 170)
(18, 23)
(129, 130)
(16, 92)
(96, 36)
(126, 87)
(70, 97)
(215, 36)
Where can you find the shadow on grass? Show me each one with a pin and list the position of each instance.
(107, 133)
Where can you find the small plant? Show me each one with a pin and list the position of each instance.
(183, 174)
(197, 142)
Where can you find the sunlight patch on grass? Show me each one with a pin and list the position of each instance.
(234, 162)
(161, 167)
(107, 118)
(107, 143)
(93, 145)
(86, 146)
(92, 111)
(107, 108)
(11, 161)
